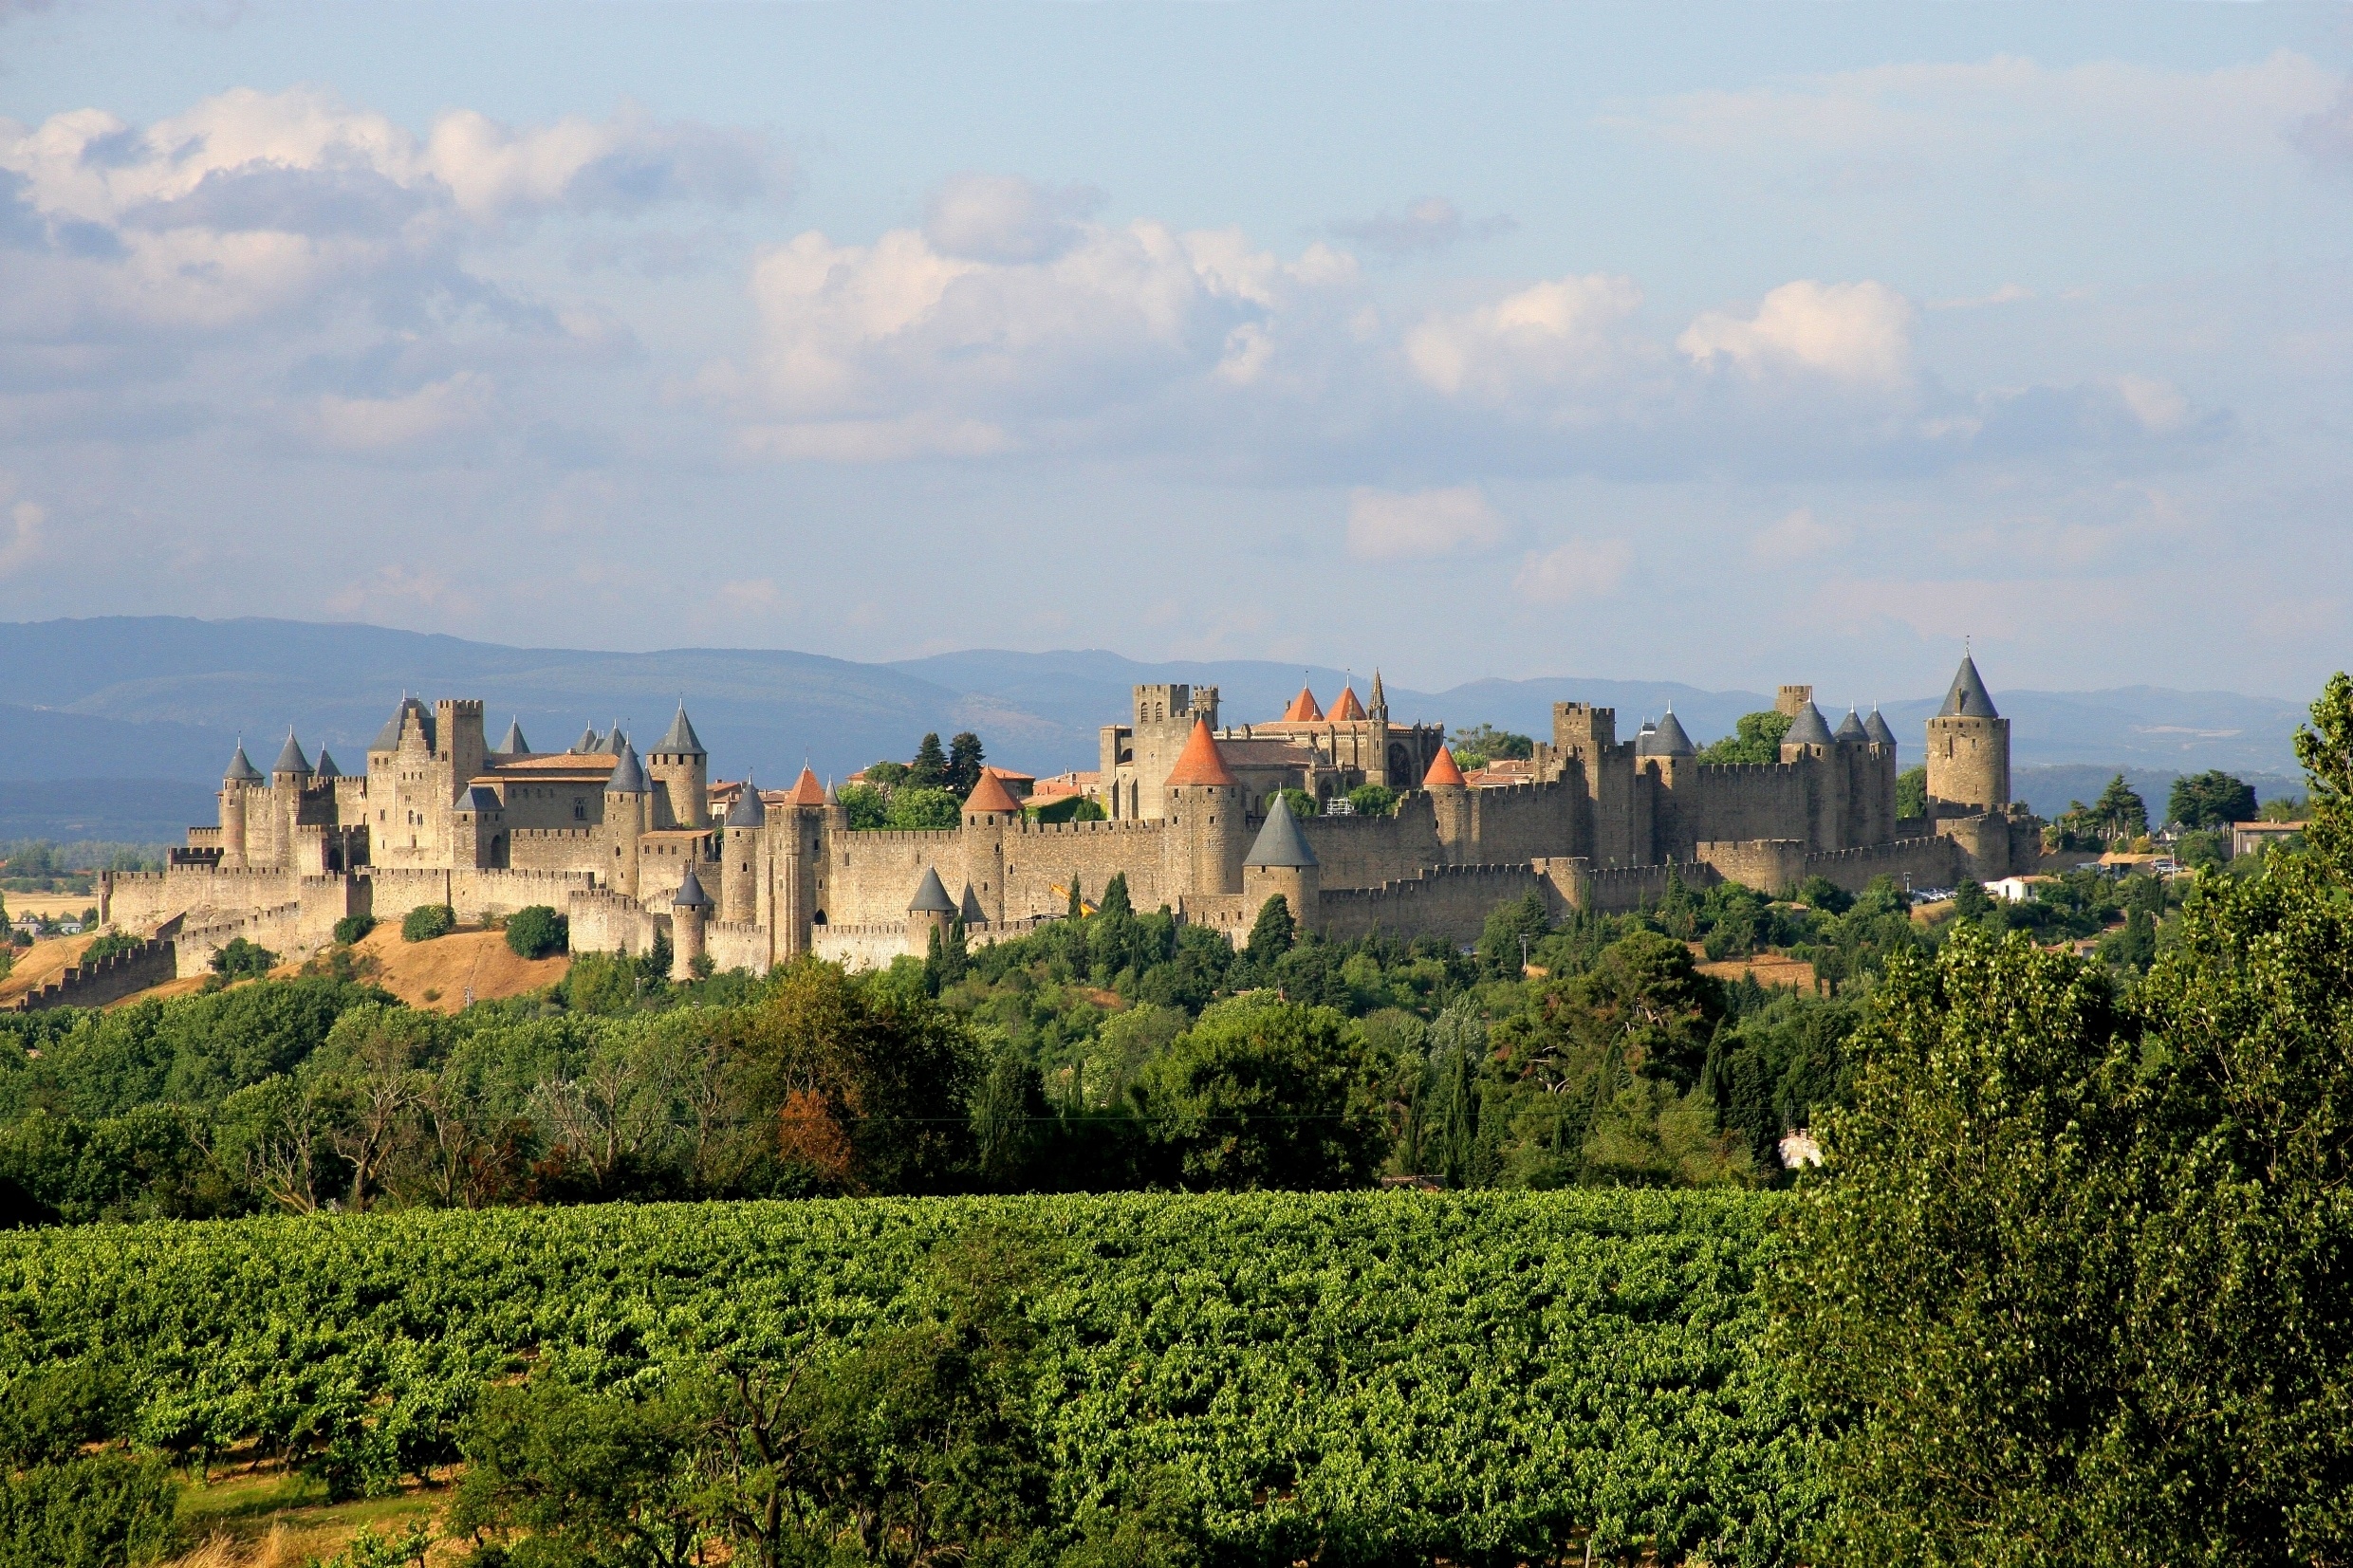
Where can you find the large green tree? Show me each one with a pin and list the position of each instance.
(1756, 738)
(2210, 800)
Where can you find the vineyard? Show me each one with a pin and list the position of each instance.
(1374, 1375)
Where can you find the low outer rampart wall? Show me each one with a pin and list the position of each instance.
(861, 947)
(1927, 863)
(108, 980)
(282, 931)
(736, 944)
(1449, 902)
(606, 922)
(1579, 884)
(1040, 857)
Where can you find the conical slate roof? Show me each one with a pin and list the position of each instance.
(1200, 762)
(689, 895)
(1672, 740)
(614, 741)
(388, 738)
(290, 758)
(1347, 708)
(1280, 843)
(1876, 729)
(514, 745)
(1304, 708)
(805, 789)
(1808, 728)
(748, 811)
(628, 777)
(1850, 728)
(327, 768)
(241, 768)
(1445, 773)
(680, 737)
(991, 795)
(930, 897)
(1968, 698)
(587, 741)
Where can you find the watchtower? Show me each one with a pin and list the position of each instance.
(1968, 750)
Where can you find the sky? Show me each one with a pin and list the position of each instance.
(1731, 345)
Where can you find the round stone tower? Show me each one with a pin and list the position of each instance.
(1207, 818)
(1450, 801)
(689, 907)
(627, 808)
(241, 778)
(1282, 862)
(1968, 750)
(678, 768)
(739, 850)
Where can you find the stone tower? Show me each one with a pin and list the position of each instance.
(236, 796)
(1809, 746)
(1282, 862)
(689, 907)
(1450, 801)
(796, 847)
(627, 806)
(989, 813)
(1207, 827)
(679, 769)
(1968, 750)
(931, 911)
(740, 856)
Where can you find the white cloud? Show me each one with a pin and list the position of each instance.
(1859, 332)
(1799, 536)
(1389, 525)
(1560, 331)
(378, 424)
(1006, 218)
(2158, 405)
(750, 595)
(1427, 226)
(2009, 293)
(24, 535)
(1579, 569)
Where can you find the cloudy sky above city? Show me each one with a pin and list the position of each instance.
(1719, 343)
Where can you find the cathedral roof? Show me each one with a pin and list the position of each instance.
(748, 811)
(1850, 728)
(1280, 843)
(1876, 729)
(241, 768)
(1347, 708)
(1304, 708)
(1200, 762)
(587, 741)
(680, 737)
(628, 777)
(1444, 773)
(991, 795)
(1672, 739)
(1808, 728)
(931, 897)
(514, 745)
(1968, 697)
(327, 768)
(689, 895)
(290, 758)
(805, 789)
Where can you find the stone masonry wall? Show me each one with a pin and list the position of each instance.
(1449, 902)
(108, 980)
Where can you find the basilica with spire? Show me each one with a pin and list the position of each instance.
(640, 848)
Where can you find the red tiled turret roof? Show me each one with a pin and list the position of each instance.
(1443, 773)
(805, 789)
(1200, 762)
(1304, 708)
(991, 795)
(1347, 708)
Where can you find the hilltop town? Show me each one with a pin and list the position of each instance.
(636, 847)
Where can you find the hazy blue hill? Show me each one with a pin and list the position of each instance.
(165, 697)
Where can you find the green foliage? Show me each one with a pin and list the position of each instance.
(964, 760)
(1373, 800)
(865, 804)
(240, 959)
(1510, 930)
(353, 926)
(369, 1548)
(428, 921)
(107, 945)
(928, 771)
(2210, 800)
(105, 1511)
(1912, 792)
(52, 1413)
(1303, 804)
(1266, 1094)
(1069, 808)
(1478, 744)
(2325, 748)
(1273, 932)
(536, 930)
(1346, 1379)
(586, 1478)
(1756, 738)
(915, 807)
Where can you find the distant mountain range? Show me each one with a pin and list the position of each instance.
(165, 698)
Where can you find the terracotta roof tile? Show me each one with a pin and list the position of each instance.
(1200, 763)
(1304, 708)
(1443, 774)
(1347, 708)
(806, 790)
(991, 795)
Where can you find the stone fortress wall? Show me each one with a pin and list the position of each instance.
(629, 847)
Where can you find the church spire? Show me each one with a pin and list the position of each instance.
(1378, 709)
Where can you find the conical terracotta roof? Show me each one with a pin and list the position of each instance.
(1304, 708)
(806, 790)
(1201, 762)
(991, 795)
(1443, 774)
(1347, 707)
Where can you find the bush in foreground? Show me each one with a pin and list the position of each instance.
(427, 921)
(537, 932)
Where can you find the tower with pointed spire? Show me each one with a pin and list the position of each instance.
(1968, 749)
(1207, 818)
(679, 769)
(1282, 864)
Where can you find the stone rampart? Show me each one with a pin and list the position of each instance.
(555, 849)
(738, 945)
(110, 979)
(604, 921)
(1928, 863)
(1449, 902)
(1371, 851)
(870, 946)
(281, 930)
(1523, 821)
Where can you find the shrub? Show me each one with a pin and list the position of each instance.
(353, 926)
(1373, 800)
(427, 921)
(537, 932)
(242, 960)
(108, 945)
(107, 1511)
